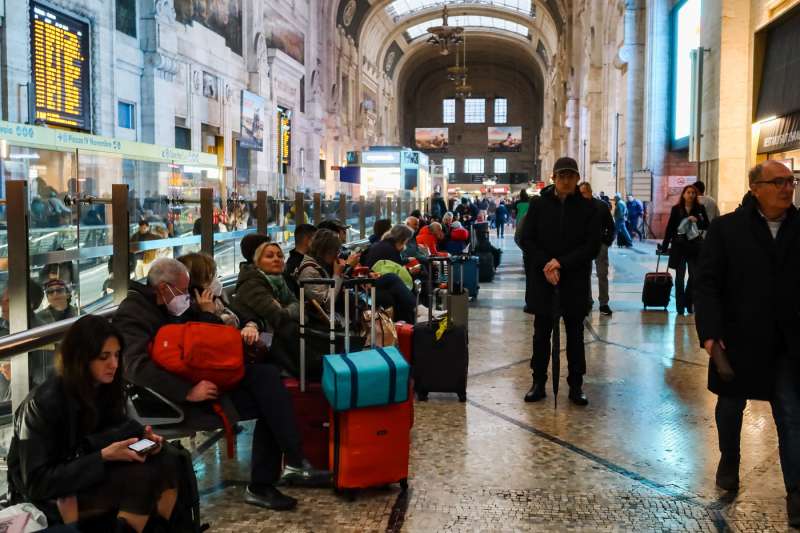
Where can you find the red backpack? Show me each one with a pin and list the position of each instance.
(197, 351)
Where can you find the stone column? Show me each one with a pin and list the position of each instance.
(633, 55)
(159, 44)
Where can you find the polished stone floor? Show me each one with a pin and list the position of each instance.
(641, 457)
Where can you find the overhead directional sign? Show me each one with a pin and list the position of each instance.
(60, 60)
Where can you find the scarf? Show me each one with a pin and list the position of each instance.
(279, 287)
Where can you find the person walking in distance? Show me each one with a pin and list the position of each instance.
(607, 233)
(561, 237)
(624, 239)
(706, 201)
(748, 320)
(635, 212)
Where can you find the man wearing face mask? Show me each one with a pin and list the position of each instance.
(260, 395)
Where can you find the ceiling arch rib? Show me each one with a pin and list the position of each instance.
(470, 21)
(401, 8)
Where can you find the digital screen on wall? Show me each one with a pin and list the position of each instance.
(60, 68)
(686, 37)
(284, 139)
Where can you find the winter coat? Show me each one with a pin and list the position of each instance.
(608, 230)
(384, 249)
(427, 238)
(50, 457)
(568, 231)
(501, 215)
(747, 294)
(138, 319)
(682, 250)
(255, 295)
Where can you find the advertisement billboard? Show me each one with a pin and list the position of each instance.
(251, 134)
(505, 138)
(431, 139)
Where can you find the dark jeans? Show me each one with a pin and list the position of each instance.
(633, 227)
(261, 395)
(542, 346)
(786, 413)
(623, 237)
(501, 229)
(528, 279)
(390, 291)
(683, 296)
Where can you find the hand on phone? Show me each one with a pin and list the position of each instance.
(120, 451)
(158, 439)
(143, 446)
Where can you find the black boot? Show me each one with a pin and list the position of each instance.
(577, 397)
(793, 508)
(728, 474)
(269, 497)
(535, 393)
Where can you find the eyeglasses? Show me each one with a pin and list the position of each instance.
(59, 290)
(780, 183)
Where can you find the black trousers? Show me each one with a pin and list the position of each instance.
(528, 279)
(261, 395)
(542, 346)
(390, 291)
(683, 294)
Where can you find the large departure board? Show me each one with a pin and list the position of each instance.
(60, 59)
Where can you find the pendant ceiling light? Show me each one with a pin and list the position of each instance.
(444, 36)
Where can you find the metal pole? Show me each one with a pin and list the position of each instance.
(317, 208)
(378, 208)
(698, 125)
(343, 208)
(18, 279)
(362, 217)
(399, 208)
(262, 214)
(299, 209)
(207, 221)
(120, 220)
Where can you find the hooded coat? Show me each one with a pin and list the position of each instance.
(568, 231)
(747, 294)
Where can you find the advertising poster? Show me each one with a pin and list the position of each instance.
(431, 139)
(223, 17)
(505, 138)
(252, 128)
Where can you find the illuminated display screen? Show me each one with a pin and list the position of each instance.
(284, 139)
(686, 39)
(60, 59)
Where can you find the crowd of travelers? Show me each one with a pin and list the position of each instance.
(71, 452)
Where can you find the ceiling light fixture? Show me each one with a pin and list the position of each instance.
(443, 36)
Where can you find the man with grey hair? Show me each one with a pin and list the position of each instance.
(413, 223)
(166, 299)
(748, 320)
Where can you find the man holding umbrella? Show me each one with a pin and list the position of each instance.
(561, 237)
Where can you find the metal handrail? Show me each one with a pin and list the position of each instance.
(40, 336)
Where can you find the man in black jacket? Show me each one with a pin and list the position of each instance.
(607, 234)
(748, 319)
(260, 395)
(561, 237)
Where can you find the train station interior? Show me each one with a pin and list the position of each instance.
(137, 132)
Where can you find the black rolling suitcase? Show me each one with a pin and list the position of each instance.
(440, 364)
(657, 287)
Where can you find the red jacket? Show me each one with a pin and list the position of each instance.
(426, 238)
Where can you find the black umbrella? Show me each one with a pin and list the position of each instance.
(556, 343)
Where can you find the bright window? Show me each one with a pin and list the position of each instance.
(469, 21)
(449, 165)
(474, 111)
(500, 165)
(400, 8)
(449, 111)
(125, 115)
(686, 38)
(473, 165)
(500, 110)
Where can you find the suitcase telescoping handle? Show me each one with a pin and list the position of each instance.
(461, 260)
(331, 283)
(434, 259)
(348, 286)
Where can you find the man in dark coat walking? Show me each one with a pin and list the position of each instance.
(561, 237)
(748, 304)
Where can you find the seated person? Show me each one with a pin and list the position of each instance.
(390, 246)
(336, 226)
(262, 292)
(430, 236)
(323, 261)
(248, 246)
(260, 395)
(59, 300)
(69, 455)
(381, 226)
(302, 240)
(459, 239)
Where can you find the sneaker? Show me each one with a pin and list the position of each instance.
(305, 476)
(269, 497)
(793, 508)
(605, 310)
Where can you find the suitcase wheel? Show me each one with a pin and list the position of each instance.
(404, 485)
(347, 494)
(422, 396)
(462, 397)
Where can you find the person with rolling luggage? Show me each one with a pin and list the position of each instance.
(608, 233)
(561, 237)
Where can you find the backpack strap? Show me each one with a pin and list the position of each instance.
(226, 424)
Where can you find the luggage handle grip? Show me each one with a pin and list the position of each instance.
(317, 281)
(332, 317)
(357, 282)
(347, 318)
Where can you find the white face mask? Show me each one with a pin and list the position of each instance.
(179, 303)
(216, 287)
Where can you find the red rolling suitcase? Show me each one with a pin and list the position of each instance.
(310, 405)
(369, 447)
(657, 287)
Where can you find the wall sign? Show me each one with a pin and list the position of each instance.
(60, 61)
(284, 139)
(780, 135)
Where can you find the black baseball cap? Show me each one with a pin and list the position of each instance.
(565, 164)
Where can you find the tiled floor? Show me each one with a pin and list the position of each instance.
(641, 457)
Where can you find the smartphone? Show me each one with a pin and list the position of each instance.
(142, 446)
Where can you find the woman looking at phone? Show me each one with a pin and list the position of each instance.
(74, 450)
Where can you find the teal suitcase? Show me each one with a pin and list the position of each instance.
(369, 378)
